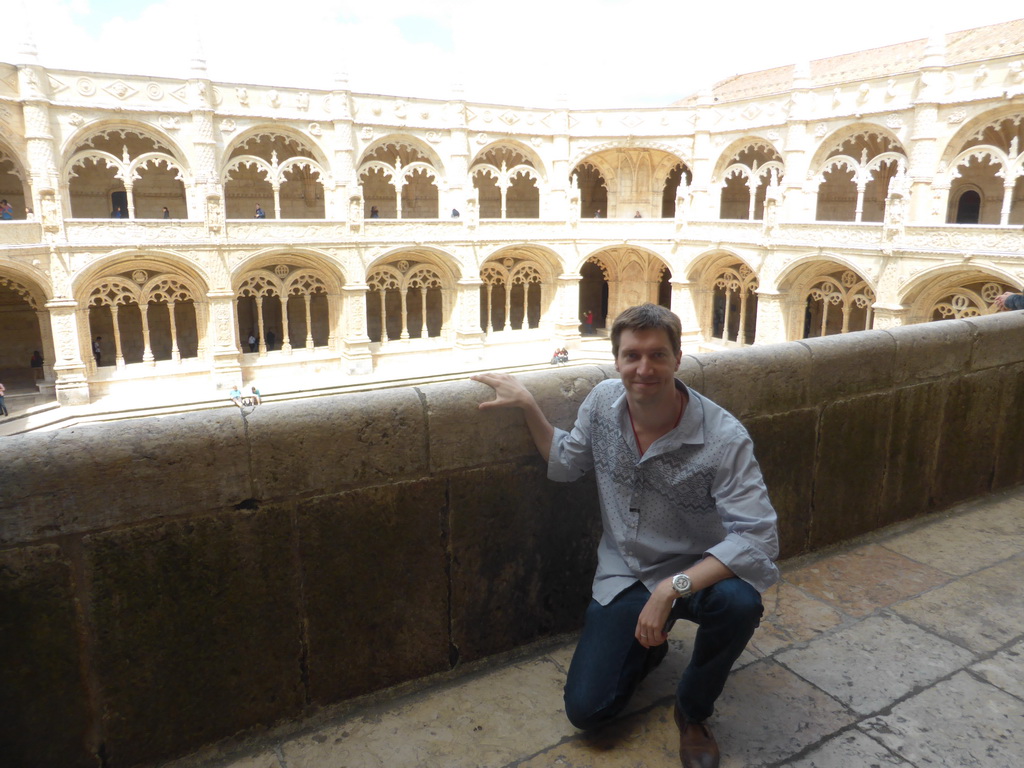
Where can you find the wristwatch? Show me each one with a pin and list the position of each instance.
(681, 585)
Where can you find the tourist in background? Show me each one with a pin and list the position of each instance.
(36, 364)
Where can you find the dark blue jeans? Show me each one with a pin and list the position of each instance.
(609, 662)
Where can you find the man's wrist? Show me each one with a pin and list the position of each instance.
(681, 585)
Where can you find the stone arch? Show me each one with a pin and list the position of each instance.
(287, 300)
(987, 157)
(635, 175)
(852, 169)
(124, 167)
(401, 178)
(953, 291)
(508, 182)
(522, 148)
(15, 186)
(410, 295)
(724, 290)
(592, 185)
(967, 204)
(743, 173)
(282, 170)
(825, 295)
(24, 327)
(662, 146)
(617, 277)
(518, 290)
(145, 308)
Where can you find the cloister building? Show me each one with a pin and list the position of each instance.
(867, 190)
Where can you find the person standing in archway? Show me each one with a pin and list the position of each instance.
(36, 363)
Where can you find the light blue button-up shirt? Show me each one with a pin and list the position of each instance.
(696, 491)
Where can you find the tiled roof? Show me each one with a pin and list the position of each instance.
(969, 45)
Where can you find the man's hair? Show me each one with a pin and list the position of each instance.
(646, 317)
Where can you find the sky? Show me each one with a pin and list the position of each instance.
(593, 54)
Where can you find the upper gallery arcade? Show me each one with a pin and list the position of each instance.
(862, 191)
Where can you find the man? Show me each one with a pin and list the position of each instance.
(689, 532)
(97, 353)
(259, 212)
(3, 407)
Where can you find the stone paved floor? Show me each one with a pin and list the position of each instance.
(903, 648)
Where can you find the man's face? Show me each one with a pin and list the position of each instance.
(647, 363)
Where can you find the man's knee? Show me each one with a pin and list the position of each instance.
(735, 601)
(583, 712)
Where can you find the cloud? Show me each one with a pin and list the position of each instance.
(601, 53)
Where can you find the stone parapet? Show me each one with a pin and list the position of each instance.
(171, 582)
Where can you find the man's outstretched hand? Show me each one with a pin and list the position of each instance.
(508, 392)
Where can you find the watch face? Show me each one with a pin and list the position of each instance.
(681, 583)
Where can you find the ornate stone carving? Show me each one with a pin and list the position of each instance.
(119, 89)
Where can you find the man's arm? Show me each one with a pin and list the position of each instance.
(1010, 300)
(510, 393)
(650, 627)
(748, 550)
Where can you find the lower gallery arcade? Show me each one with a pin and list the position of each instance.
(139, 316)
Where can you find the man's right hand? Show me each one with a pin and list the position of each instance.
(508, 392)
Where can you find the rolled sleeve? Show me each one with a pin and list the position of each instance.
(751, 543)
(571, 457)
(1016, 301)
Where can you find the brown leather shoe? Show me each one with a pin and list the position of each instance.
(697, 745)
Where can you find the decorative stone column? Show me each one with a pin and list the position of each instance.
(684, 305)
(356, 356)
(48, 352)
(927, 199)
(771, 318)
(459, 185)
(346, 185)
(41, 151)
(889, 316)
(561, 203)
(567, 307)
(207, 201)
(799, 195)
(702, 206)
(469, 336)
(72, 383)
(222, 331)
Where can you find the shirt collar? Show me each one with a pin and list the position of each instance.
(689, 430)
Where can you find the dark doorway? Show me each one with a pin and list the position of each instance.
(968, 208)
